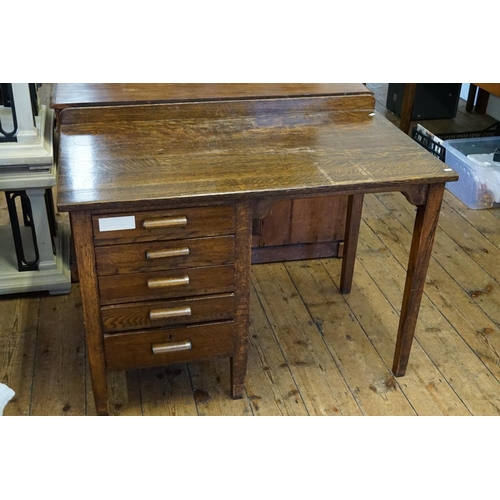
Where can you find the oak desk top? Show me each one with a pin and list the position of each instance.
(215, 151)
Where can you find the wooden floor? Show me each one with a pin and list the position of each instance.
(312, 350)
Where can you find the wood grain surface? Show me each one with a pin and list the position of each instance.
(136, 316)
(237, 151)
(290, 233)
(133, 258)
(100, 94)
(81, 225)
(132, 350)
(134, 287)
(200, 221)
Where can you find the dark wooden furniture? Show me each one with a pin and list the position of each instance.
(294, 229)
(483, 91)
(65, 95)
(187, 180)
(407, 108)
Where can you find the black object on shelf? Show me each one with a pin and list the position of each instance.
(23, 262)
(432, 100)
(8, 102)
(28, 244)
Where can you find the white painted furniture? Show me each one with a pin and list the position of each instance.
(27, 166)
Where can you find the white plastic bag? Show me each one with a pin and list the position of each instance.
(6, 394)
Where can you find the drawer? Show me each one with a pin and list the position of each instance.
(166, 284)
(158, 256)
(162, 225)
(156, 314)
(175, 345)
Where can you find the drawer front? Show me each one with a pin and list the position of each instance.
(162, 225)
(156, 314)
(158, 256)
(175, 345)
(166, 284)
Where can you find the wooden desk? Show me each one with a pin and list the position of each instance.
(293, 229)
(187, 180)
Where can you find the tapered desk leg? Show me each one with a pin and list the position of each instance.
(407, 106)
(482, 101)
(421, 247)
(353, 221)
(243, 260)
(471, 97)
(81, 225)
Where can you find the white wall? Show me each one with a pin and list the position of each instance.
(464, 92)
(493, 108)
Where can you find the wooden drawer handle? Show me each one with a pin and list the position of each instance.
(172, 312)
(166, 222)
(166, 282)
(172, 347)
(168, 252)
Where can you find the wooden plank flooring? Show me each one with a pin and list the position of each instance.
(313, 351)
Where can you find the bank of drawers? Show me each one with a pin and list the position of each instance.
(166, 285)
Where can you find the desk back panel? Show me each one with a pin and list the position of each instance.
(66, 95)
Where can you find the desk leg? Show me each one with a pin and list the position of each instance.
(421, 247)
(81, 225)
(471, 97)
(353, 221)
(243, 260)
(407, 106)
(482, 101)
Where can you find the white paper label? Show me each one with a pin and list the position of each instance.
(117, 223)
